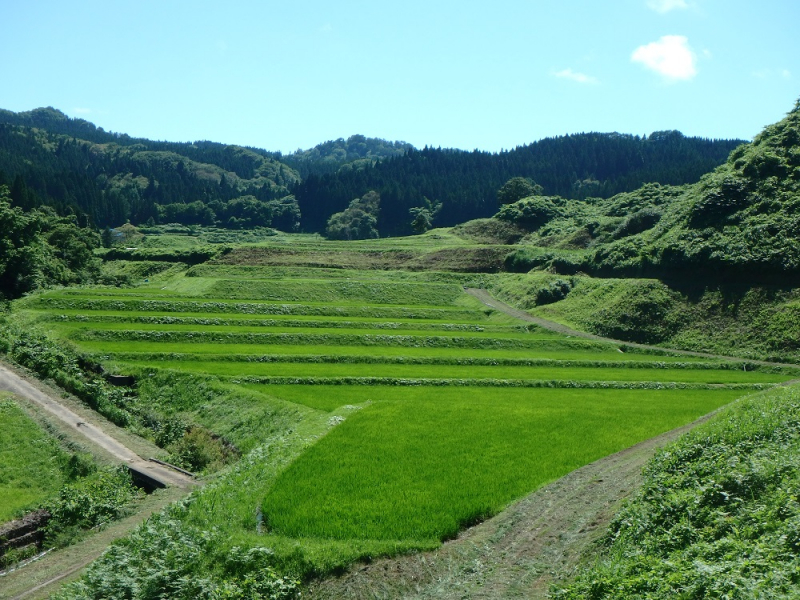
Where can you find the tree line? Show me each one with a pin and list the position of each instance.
(466, 183)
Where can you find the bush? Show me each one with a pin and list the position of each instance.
(638, 222)
(88, 503)
(531, 213)
(198, 450)
(555, 291)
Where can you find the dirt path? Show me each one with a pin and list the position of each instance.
(16, 384)
(40, 578)
(493, 302)
(517, 554)
(531, 545)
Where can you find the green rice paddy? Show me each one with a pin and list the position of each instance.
(419, 466)
(484, 408)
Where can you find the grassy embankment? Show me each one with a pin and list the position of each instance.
(717, 516)
(755, 323)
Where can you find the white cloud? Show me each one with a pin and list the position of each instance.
(82, 111)
(664, 6)
(574, 76)
(771, 73)
(671, 57)
(326, 28)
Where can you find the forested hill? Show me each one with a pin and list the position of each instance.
(46, 158)
(356, 152)
(739, 223)
(572, 166)
(108, 178)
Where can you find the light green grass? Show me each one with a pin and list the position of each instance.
(379, 292)
(110, 347)
(111, 316)
(417, 371)
(30, 461)
(187, 304)
(68, 328)
(419, 464)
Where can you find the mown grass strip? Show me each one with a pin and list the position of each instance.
(644, 362)
(107, 348)
(298, 290)
(499, 383)
(219, 305)
(98, 327)
(338, 339)
(465, 372)
(280, 321)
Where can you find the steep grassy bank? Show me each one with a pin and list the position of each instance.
(717, 517)
(749, 322)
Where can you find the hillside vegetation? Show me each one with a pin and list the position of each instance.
(761, 323)
(350, 412)
(348, 399)
(466, 183)
(718, 514)
(739, 224)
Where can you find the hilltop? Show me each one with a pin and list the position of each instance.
(106, 179)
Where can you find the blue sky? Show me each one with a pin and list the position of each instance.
(464, 74)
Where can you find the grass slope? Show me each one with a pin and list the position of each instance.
(717, 517)
(32, 461)
(758, 322)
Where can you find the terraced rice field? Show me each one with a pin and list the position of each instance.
(439, 410)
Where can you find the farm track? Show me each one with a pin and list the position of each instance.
(486, 298)
(41, 578)
(520, 552)
(11, 382)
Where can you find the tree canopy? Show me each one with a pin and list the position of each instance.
(359, 221)
(38, 248)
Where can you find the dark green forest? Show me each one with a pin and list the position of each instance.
(466, 183)
(38, 248)
(105, 179)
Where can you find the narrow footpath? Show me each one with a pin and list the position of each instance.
(42, 577)
(11, 382)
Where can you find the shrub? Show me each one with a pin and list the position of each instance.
(530, 213)
(553, 292)
(638, 222)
